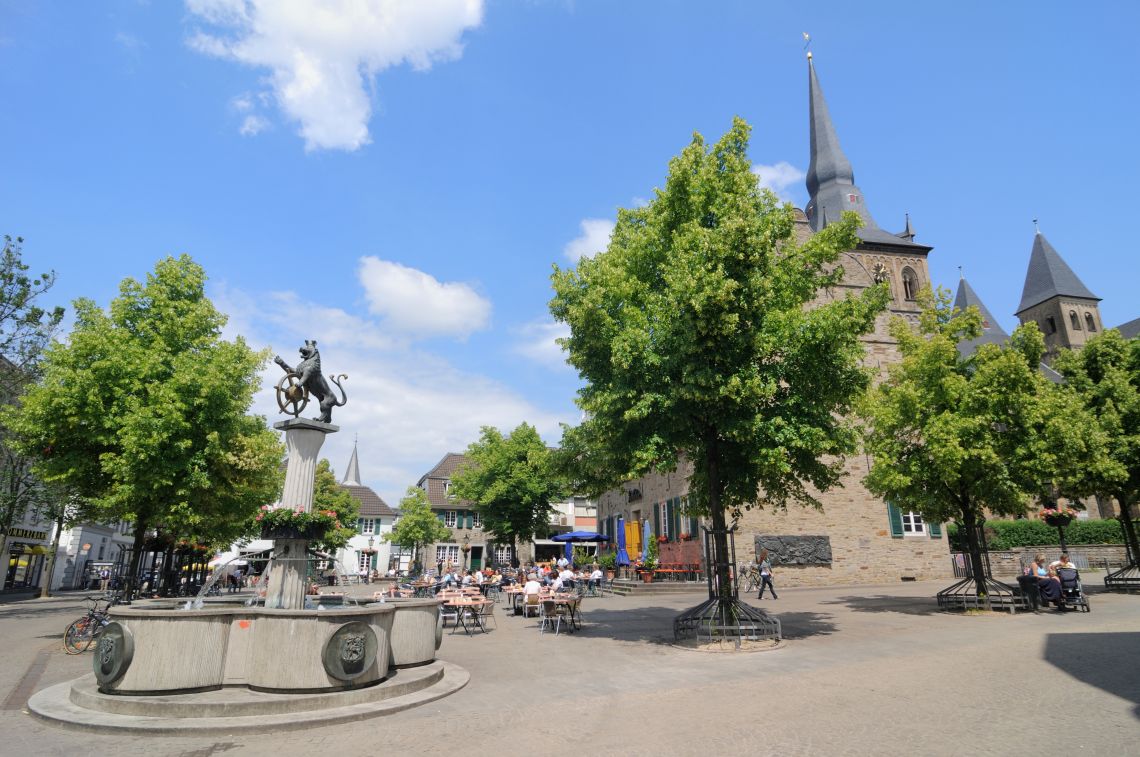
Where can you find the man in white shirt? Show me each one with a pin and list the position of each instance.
(563, 562)
(596, 576)
(556, 585)
(532, 586)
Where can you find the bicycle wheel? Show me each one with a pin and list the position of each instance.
(79, 635)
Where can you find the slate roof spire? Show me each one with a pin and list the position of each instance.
(992, 332)
(830, 178)
(352, 475)
(1049, 276)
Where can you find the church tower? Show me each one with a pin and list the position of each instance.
(880, 254)
(1063, 307)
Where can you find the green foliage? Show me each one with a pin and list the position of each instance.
(143, 412)
(652, 555)
(608, 560)
(693, 336)
(510, 482)
(330, 496)
(958, 437)
(1105, 378)
(582, 557)
(417, 526)
(1010, 534)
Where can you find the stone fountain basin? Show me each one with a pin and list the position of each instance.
(168, 650)
(417, 631)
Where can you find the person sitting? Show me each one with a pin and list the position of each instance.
(1047, 582)
(596, 577)
(1063, 562)
(556, 584)
(532, 586)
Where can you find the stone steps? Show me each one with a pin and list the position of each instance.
(640, 588)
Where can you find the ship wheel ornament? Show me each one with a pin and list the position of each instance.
(291, 396)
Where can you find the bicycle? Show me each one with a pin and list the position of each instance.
(81, 634)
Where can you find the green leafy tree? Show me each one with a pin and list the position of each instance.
(954, 438)
(1105, 375)
(142, 412)
(26, 328)
(511, 482)
(328, 494)
(694, 337)
(417, 526)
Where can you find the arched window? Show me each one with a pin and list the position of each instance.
(1076, 322)
(1050, 325)
(1089, 322)
(910, 284)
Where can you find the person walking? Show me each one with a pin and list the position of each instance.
(766, 575)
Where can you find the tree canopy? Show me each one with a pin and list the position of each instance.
(142, 411)
(328, 494)
(511, 482)
(417, 525)
(693, 335)
(954, 436)
(1105, 375)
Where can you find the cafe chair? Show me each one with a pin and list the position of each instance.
(550, 614)
(531, 604)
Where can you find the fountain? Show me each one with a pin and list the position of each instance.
(218, 665)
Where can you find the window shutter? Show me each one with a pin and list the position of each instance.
(694, 529)
(656, 519)
(675, 520)
(442, 517)
(470, 519)
(935, 530)
(895, 517)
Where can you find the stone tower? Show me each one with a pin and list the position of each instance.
(1063, 307)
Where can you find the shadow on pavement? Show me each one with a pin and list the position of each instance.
(886, 603)
(1104, 660)
(801, 625)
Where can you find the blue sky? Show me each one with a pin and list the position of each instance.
(396, 179)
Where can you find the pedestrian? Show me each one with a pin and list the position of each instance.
(766, 575)
(104, 579)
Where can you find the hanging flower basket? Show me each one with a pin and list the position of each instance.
(283, 523)
(1059, 517)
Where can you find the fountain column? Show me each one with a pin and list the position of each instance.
(287, 576)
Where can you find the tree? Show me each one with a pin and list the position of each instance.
(1105, 374)
(25, 329)
(328, 494)
(63, 509)
(694, 337)
(418, 526)
(955, 437)
(511, 483)
(143, 413)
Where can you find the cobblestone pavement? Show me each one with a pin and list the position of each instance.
(865, 670)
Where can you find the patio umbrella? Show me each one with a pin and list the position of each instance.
(646, 535)
(570, 550)
(622, 555)
(577, 536)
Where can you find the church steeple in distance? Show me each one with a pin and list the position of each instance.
(352, 475)
(830, 178)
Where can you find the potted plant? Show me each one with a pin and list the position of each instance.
(1058, 517)
(649, 564)
(285, 523)
(608, 562)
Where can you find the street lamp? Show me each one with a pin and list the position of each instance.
(371, 559)
(466, 549)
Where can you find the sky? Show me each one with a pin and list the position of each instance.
(397, 179)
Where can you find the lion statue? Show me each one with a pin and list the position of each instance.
(309, 377)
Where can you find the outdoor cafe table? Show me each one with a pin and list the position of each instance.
(573, 604)
(467, 609)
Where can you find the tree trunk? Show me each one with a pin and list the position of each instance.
(53, 554)
(720, 529)
(974, 546)
(1129, 529)
(136, 561)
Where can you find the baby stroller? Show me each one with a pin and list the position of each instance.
(1072, 592)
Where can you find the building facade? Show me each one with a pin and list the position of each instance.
(367, 552)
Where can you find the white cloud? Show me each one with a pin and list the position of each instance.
(408, 406)
(253, 125)
(324, 56)
(595, 237)
(778, 177)
(413, 303)
(537, 342)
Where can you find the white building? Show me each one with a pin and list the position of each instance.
(367, 551)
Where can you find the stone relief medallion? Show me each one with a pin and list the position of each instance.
(113, 653)
(350, 651)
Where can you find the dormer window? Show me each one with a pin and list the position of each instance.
(1089, 322)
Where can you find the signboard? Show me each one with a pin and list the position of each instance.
(27, 533)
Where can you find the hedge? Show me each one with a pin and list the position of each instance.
(1009, 534)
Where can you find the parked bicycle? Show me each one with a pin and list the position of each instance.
(81, 634)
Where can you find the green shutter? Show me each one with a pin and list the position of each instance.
(470, 519)
(895, 517)
(441, 515)
(694, 528)
(935, 530)
(657, 519)
(675, 531)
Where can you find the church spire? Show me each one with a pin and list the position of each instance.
(352, 475)
(1049, 276)
(830, 178)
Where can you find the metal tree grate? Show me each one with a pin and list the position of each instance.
(723, 617)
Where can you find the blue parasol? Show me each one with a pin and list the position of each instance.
(646, 535)
(580, 536)
(570, 550)
(622, 555)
